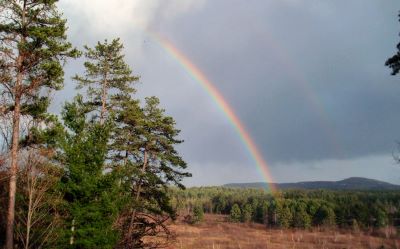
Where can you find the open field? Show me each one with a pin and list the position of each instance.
(215, 233)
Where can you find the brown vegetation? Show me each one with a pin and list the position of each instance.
(215, 232)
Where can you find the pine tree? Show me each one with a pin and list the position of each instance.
(144, 147)
(198, 214)
(284, 214)
(106, 75)
(301, 218)
(325, 216)
(33, 47)
(273, 212)
(236, 213)
(261, 214)
(247, 213)
(90, 192)
(381, 217)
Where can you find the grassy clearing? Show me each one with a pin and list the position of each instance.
(216, 233)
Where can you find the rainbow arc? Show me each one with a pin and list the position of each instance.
(221, 102)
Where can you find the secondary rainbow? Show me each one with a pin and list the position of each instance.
(219, 99)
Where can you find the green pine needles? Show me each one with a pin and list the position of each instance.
(143, 148)
(106, 168)
(106, 76)
(90, 193)
(119, 159)
(33, 48)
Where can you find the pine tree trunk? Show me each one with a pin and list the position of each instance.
(143, 170)
(13, 170)
(139, 189)
(14, 144)
(103, 99)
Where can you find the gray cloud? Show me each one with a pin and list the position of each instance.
(306, 78)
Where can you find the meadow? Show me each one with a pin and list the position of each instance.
(216, 232)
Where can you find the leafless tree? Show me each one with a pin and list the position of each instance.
(37, 214)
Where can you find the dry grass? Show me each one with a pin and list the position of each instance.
(216, 233)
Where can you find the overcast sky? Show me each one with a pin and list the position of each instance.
(307, 79)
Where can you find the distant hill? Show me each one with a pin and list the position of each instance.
(352, 183)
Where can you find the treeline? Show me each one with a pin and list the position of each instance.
(97, 175)
(295, 208)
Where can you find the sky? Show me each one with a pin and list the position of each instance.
(306, 78)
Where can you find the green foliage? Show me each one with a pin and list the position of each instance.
(198, 214)
(381, 218)
(261, 213)
(116, 158)
(236, 213)
(297, 208)
(33, 55)
(107, 77)
(219, 204)
(301, 218)
(143, 146)
(325, 216)
(284, 214)
(247, 213)
(90, 192)
(33, 49)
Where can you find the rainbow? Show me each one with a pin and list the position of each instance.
(219, 99)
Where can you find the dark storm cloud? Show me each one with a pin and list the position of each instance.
(308, 79)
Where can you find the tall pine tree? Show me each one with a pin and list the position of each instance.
(90, 192)
(144, 145)
(106, 75)
(33, 47)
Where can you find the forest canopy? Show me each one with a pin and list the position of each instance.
(294, 208)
